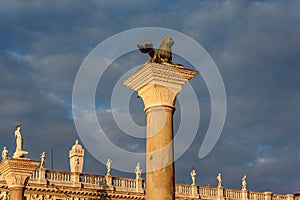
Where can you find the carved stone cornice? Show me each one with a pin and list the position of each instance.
(163, 74)
(61, 192)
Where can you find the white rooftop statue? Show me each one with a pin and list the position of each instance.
(19, 140)
(19, 153)
(43, 155)
(219, 178)
(4, 153)
(138, 171)
(108, 167)
(193, 176)
(244, 183)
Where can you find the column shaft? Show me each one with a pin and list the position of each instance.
(16, 193)
(160, 156)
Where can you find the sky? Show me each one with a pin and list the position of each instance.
(255, 45)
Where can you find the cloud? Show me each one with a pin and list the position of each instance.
(254, 43)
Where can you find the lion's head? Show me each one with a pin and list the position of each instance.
(166, 44)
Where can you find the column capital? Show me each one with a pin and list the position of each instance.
(158, 84)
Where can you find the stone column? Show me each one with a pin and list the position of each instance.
(16, 173)
(158, 86)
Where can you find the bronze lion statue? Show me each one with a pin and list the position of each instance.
(162, 55)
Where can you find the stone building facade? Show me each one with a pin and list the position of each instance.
(45, 184)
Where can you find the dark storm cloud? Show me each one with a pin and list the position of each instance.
(255, 44)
